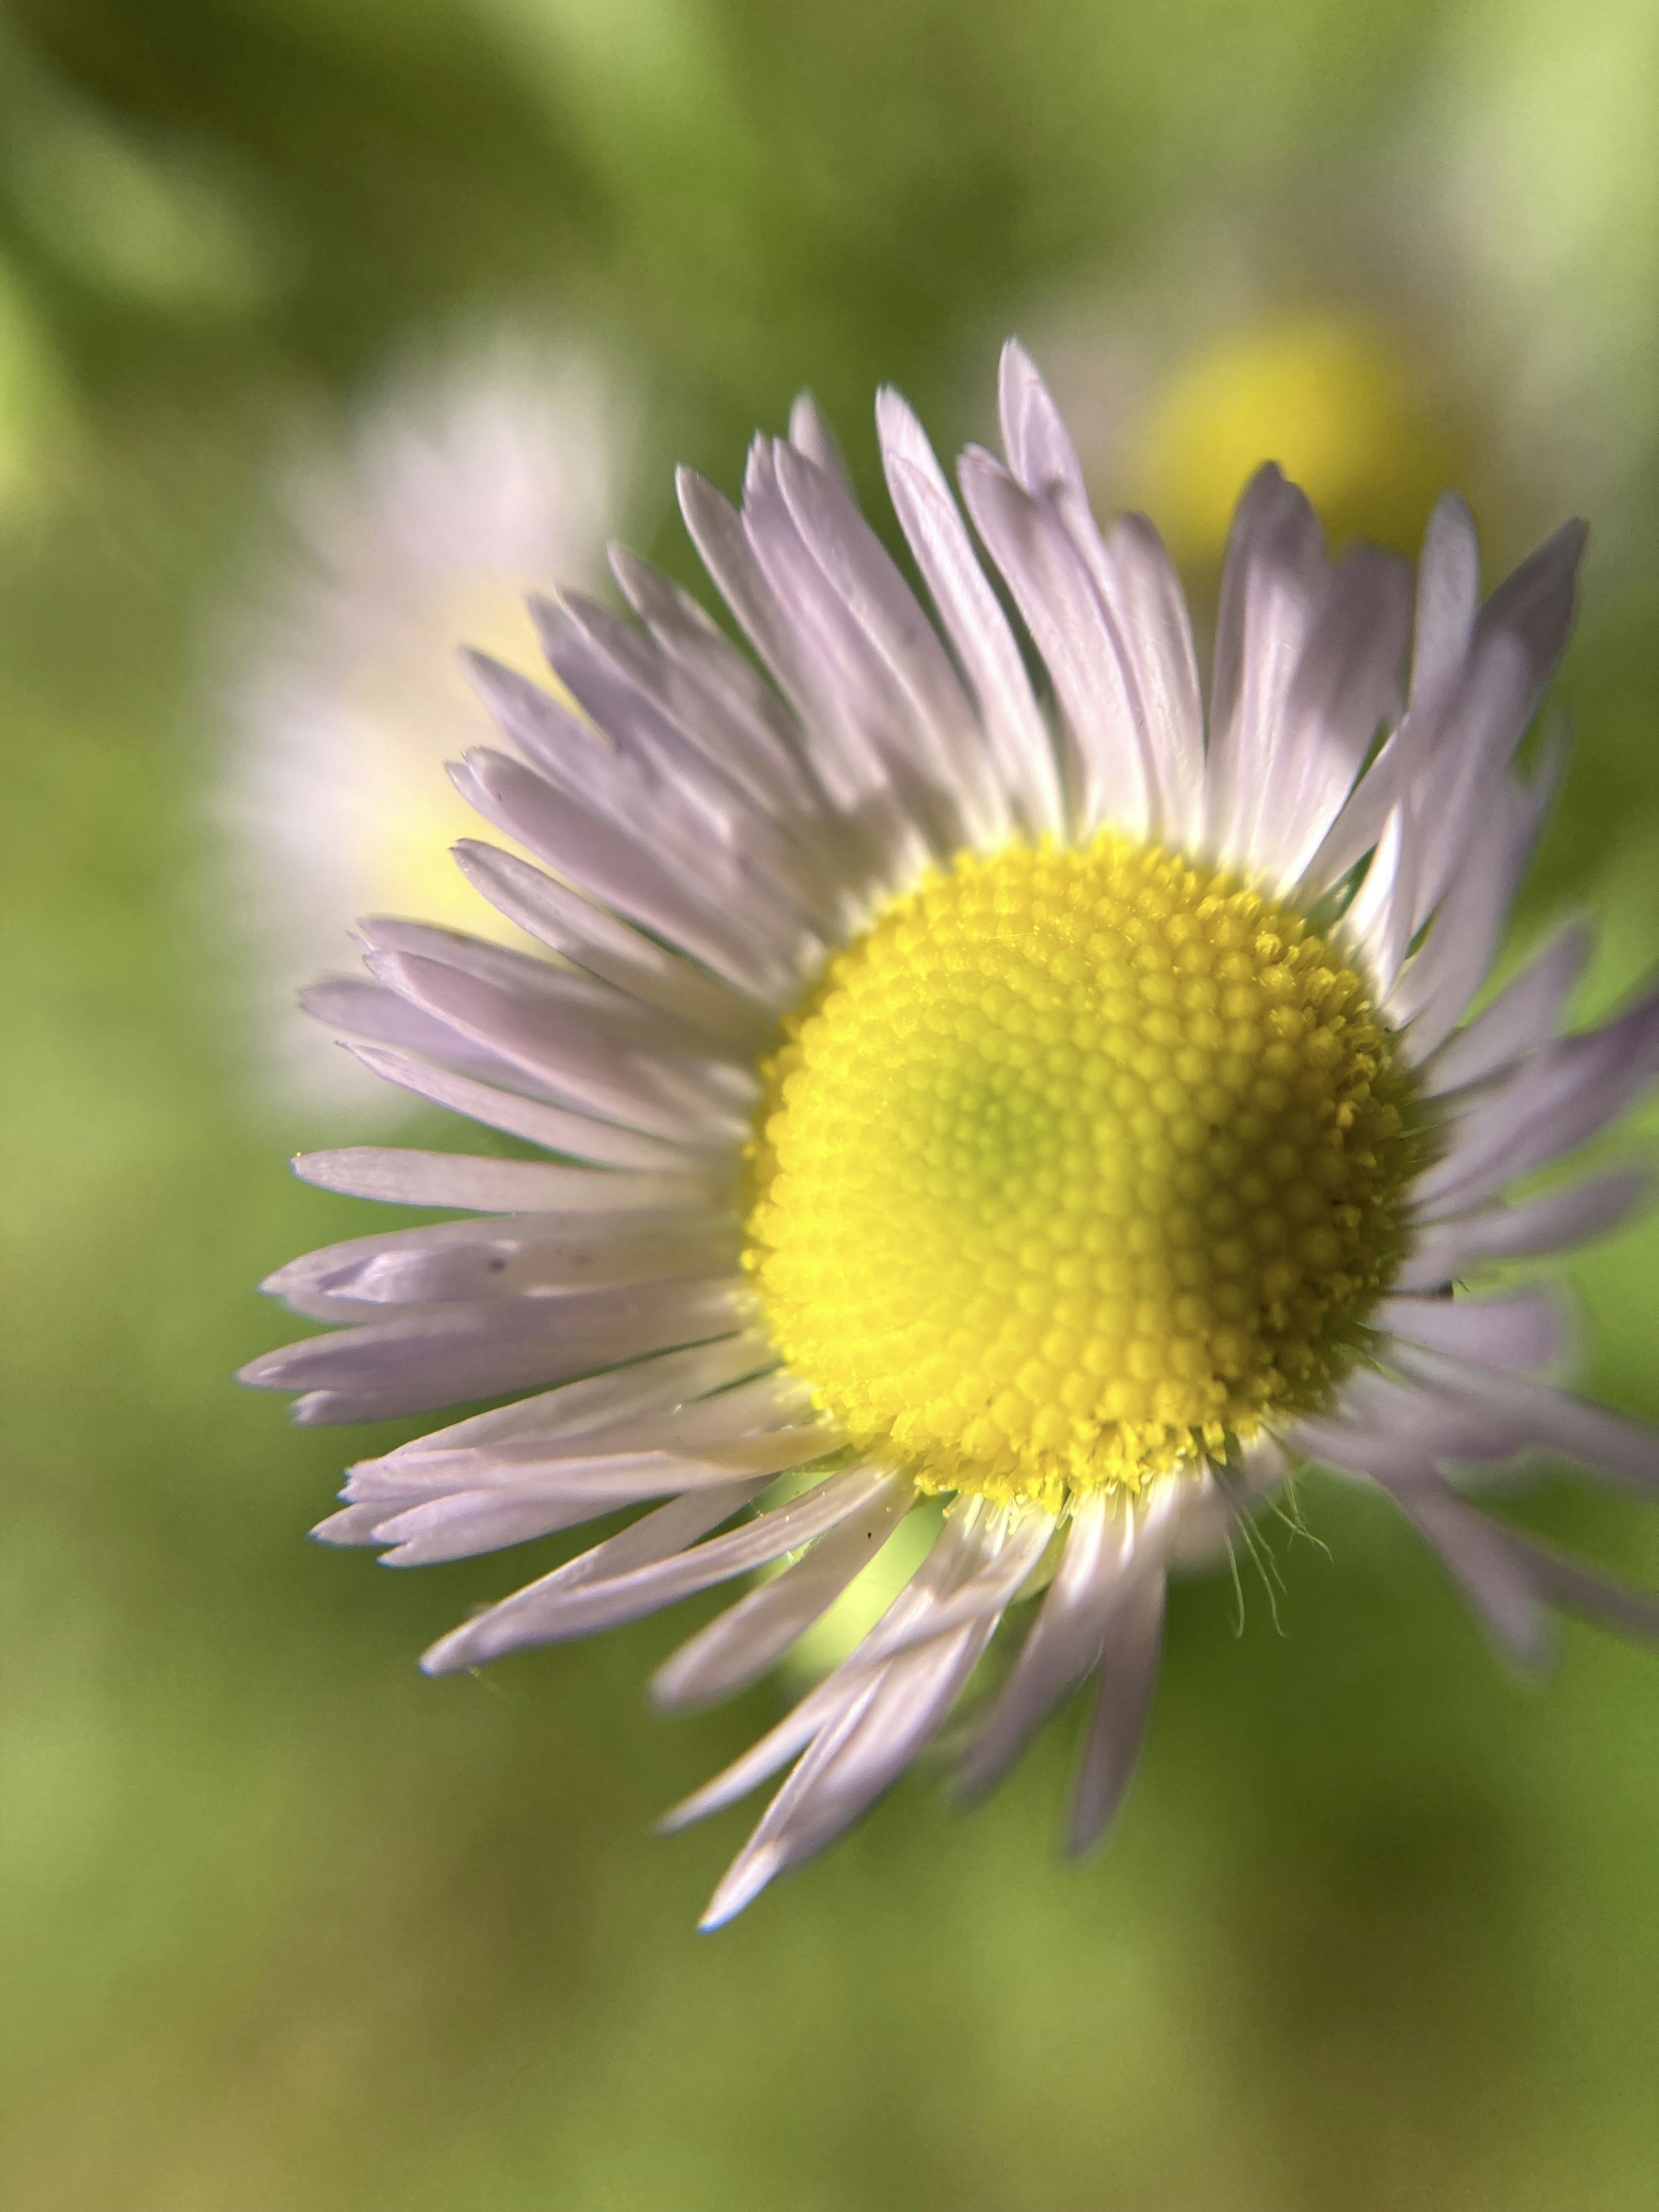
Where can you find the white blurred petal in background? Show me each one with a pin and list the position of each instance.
(466, 481)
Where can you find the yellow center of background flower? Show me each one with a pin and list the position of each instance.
(1075, 1167)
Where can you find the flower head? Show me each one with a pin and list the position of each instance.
(1060, 1102)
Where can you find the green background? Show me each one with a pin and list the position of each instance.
(291, 1927)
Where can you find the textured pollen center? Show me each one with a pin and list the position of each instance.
(1075, 1167)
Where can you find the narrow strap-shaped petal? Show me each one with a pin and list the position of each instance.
(554, 1613)
(1448, 596)
(611, 949)
(1525, 1328)
(851, 776)
(1467, 928)
(1127, 1676)
(1272, 581)
(1550, 1105)
(858, 568)
(358, 1006)
(810, 434)
(1063, 1641)
(645, 1387)
(1038, 445)
(617, 871)
(851, 685)
(1538, 1416)
(1107, 778)
(508, 1256)
(1378, 923)
(1445, 1251)
(572, 1057)
(1502, 1595)
(692, 791)
(744, 1641)
(1509, 1577)
(555, 1129)
(660, 1534)
(1448, 599)
(851, 1763)
(410, 1177)
(992, 1590)
(1517, 640)
(1154, 625)
(950, 1559)
(973, 621)
(1346, 685)
(1524, 1015)
(444, 1355)
(711, 681)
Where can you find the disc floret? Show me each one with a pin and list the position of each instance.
(1077, 1167)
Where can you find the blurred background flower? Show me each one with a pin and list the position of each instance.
(500, 467)
(291, 1927)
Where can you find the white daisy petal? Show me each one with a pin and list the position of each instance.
(1064, 1641)
(1345, 683)
(851, 1763)
(1123, 1697)
(408, 1177)
(749, 847)
(1450, 967)
(554, 1611)
(1272, 585)
(1581, 1211)
(442, 1356)
(1560, 1098)
(1524, 1329)
(497, 1257)
(644, 1389)
(1378, 923)
(950, 1560)
(1038, 445)
(393, 949)
(661, 1535)
(611, 949)
(1537, 1416)
(642, 1090)
(356, 1006)
(1524, 1015)
(877, 817)
(1105, 771)
(555, 1129)
(883, 1718)
(1448, 600)
(1510, 1578)
(714, 694)
(882, 607)
(1155, 629)
(1517, 640)
(974, 622)
(1471, 1548)
(748, 1638)
(851, 681)
(615, 870)
(811, 434)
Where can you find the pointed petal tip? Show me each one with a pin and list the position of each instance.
(448, 1656)
(749, 1874)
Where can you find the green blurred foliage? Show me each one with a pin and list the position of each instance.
(292, 1929)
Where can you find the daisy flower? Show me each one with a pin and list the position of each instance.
(1046, 1099)
(499, 462)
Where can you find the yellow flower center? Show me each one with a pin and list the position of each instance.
(1075, 1167)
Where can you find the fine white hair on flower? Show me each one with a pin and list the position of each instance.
(472, 476)
(1057, 1099)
